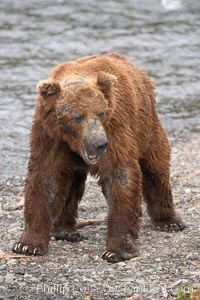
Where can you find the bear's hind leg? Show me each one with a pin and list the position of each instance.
(155, 166)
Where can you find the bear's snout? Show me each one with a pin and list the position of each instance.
(95, 142)
(100, 145)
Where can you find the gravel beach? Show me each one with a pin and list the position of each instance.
(167, 262)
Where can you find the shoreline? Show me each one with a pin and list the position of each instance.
(166, 263)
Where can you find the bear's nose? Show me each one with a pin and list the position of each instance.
(101, 145)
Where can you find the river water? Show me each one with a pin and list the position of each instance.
(160, 36)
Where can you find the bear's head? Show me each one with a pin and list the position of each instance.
(77, 111)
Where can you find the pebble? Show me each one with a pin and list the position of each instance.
(22, 284)
(187, 190)
(164, 258)
(28, 277)
(12, 262)
(85, 258)
(196, 286)
(2, 267)
(2, 279)
(127, 279)
(121, 264)
(12, 230)
(9, 278)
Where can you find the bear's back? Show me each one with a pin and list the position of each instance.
(112, 62)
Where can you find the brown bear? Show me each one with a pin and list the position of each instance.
(97, 115)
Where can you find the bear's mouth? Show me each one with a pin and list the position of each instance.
(90, 159)
(93, 158)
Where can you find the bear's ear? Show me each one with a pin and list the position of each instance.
(48, 87)
(106, 80)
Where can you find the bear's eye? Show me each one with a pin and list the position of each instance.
(101, 115)
(78, 118)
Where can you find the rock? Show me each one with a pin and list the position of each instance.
(20, 271)
(9, 278)
(187, 190)
(127, 279)
(2, 267)
(12, 262)
(2, 279)
(2, 213)
(2, 289)
(22, 284)
(12, 230)
(121, 264)
(18, 204)
(196, 285)
(134, 297)
(85, 258)
(30, 278)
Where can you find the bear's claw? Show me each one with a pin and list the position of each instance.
(20, 248)
(113, 257)
(171, 227)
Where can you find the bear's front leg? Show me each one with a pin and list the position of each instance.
(43, 200)
(123, 191)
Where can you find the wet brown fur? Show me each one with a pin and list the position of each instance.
(136, 163)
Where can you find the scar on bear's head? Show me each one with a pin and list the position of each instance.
(63, 109)
(67, 84)
(86, 92)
